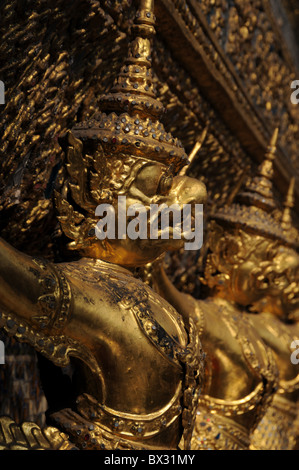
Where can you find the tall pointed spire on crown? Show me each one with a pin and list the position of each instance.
(259, 191)
(287, 225)
(128, 121)
(253, 209)
(133, 89)
(286, 220)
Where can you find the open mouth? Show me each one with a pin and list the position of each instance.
(177, 225)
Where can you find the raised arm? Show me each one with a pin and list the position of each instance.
(185, 304)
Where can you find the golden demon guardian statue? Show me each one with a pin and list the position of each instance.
(250, 266)
(277, 324)
(254, 262)
(139, 365)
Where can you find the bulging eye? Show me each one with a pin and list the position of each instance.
(165, 184)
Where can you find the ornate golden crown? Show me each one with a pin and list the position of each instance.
(255, 203)
(128, 121)
(125, 134)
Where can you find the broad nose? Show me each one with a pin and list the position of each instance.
(189, 190)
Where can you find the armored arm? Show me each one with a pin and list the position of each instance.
(20, 285)
(185, 304)
(32, 289)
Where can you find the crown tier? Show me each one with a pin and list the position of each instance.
(128, 121)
